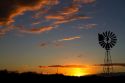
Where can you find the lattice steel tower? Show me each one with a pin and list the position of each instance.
(107, 40)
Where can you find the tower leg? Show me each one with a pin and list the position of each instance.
(108, 67)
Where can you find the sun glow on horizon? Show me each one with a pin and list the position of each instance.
(78, 72)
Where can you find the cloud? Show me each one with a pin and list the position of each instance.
(42, 10)
(3, 31)
(35, 23)
(113, 64)
(58, 44)
(88, 26)
(37, 30)
(54, 16)
(64, 66)
(53, 43)
(84, 1)
(10, 9)
(67, 14)
(70, 38)
(69, 19)
(69, 10)
(44, 44)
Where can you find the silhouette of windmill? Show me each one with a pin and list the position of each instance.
(107, 40)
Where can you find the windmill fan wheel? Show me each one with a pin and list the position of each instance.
(107, 39)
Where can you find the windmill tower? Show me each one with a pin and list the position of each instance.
(107, 40)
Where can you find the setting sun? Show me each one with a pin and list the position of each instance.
(78, 72)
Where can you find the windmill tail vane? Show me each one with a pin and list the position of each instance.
(107, 40)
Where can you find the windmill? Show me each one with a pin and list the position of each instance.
(107, 40)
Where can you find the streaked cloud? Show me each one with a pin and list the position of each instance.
(59, 43)
(71, 18)
(37, 30)
(69, 10)
(53, 43)
(70, 38)
(55, 16)
(67, 14)
(35, 23)
(42, 10)
(88, 26)
(3, 31)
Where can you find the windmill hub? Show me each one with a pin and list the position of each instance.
(108, 40)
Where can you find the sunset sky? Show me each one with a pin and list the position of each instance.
(42, 33)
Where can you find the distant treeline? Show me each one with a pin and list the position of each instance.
(11, 76)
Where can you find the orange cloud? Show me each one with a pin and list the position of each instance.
(55, 16)
(35, 23)
(69, 19)
(45, 10)
(64, 13)
(69, 10)
(67, 14)
(70, 38)
(37, 30)
(13, 8)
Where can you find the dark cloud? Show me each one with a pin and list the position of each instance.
(44, 44)
(65, 66)
(11, 8)
(113, 64)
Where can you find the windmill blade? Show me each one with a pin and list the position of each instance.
(107, 46)
(114, 40)
(111, 45)
(104, 34)
(104, 45)
(113, 37)
(110, 34)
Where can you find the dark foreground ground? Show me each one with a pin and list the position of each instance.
(10, 77)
